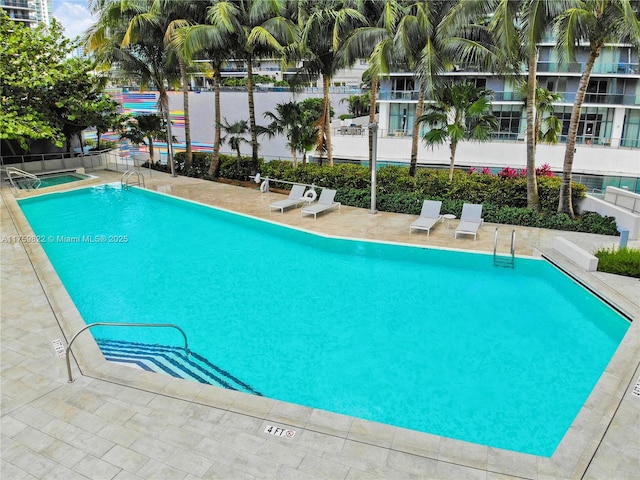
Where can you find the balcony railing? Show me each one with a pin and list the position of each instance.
(619, 68)
(505, 96)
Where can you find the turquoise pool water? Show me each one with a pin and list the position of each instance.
(430, 340)
(52, 180)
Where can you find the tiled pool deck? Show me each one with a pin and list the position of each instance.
(115, 422)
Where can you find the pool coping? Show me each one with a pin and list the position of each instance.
(571, 458)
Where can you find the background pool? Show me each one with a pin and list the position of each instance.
(431, 340)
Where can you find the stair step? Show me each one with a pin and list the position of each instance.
(173, 361)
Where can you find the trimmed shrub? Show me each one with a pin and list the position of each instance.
(623, 261)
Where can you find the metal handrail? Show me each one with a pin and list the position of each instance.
(512, 251)
(126, 176)
(119, 324)
(513, 245)
(21, 173)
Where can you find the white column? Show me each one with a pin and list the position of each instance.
(618, 124)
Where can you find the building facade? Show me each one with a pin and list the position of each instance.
(608, 142)
(30, 12)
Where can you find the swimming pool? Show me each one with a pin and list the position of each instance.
(51, 180)
(376, 331)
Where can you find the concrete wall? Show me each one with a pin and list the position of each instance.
(234, 106)
(589, 159)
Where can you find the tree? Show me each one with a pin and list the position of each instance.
(143, 129)
(256, 28)
(214, 44)
(597, 22)
(44, 96)
(420, 46)
(547, 126)
(128, 36)
(297, 122)
(517, 27)
(235, 136)
(374, 42)
(324, 25)
(462, 112)
(287, 121)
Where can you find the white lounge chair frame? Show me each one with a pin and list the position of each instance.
(429, 216)
(325, 202)
(470, 220)
(294, 199)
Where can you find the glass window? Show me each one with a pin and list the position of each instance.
(631, 130)
(401, 117)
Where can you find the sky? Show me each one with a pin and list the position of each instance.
(74, 16)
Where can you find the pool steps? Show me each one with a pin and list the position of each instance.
(173, 361)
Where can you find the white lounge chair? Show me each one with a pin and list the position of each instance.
(429, 216)
(470, 220)
(325, 202)
(294, 199)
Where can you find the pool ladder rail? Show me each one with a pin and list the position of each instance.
(502, 260)
(32, 182)
(127, 179)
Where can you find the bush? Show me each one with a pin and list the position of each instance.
(623, 261)
(504, 197)
(235, 168)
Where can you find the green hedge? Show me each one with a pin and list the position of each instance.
(623, 261)
(504, 200)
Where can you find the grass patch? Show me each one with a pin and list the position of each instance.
(621, 261)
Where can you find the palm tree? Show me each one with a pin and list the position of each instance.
(517, 27)
(462, 112)
(425, 48)
(125, 37)
(286, 121)
(374, 42)
(235, 135)
(257, 28)
(298, 124)
(547, 125)
(324, 25)
(214, 44)
(143, 129)
(597, 22)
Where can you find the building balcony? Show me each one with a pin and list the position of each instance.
(619, 68)
(506, 96)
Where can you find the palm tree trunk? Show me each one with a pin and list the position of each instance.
(294, 154)
(327, 118)
(565, 203)
(533, 200)
(151, 150)
(252, 110)
(372, 114)
(214, 168)
(185, 101)
(452, 148)
(416, 131)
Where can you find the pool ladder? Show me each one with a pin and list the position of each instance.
(32, 182)
(504, 261)
(126, 180)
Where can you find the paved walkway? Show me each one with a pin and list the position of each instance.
(115, 422)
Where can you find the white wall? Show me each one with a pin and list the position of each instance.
(592, 159)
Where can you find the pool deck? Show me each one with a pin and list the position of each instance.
(117, 422)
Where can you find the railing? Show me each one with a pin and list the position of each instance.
(107, 324)
(56, 161)
(125, 180)
(33, 182)
(504, 261)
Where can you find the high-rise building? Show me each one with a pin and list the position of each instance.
(30, 12)
(608, 138)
